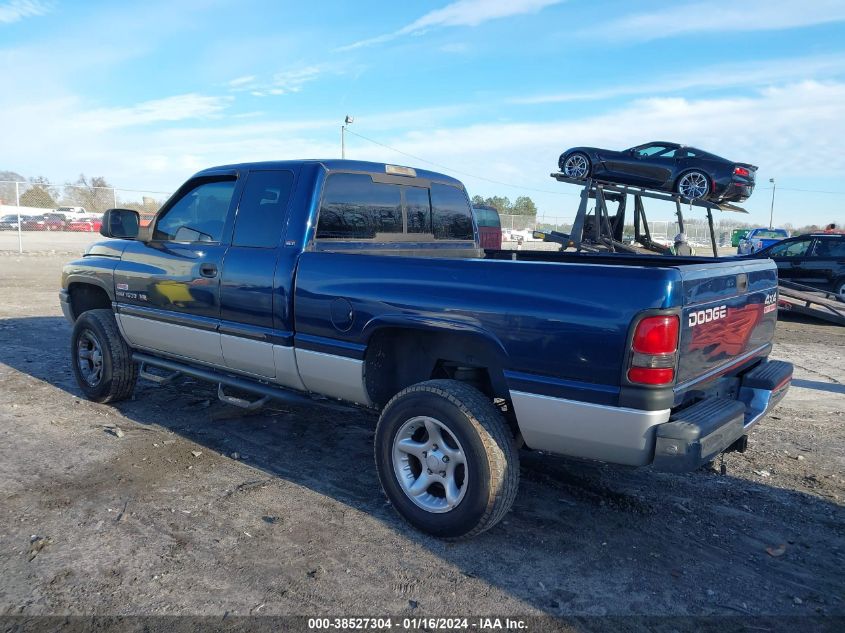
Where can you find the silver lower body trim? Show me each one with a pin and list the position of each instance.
(180, 340)
(581, 429)
(333, 376)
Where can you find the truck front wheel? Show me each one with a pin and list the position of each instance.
(101, 359)
(446, 459)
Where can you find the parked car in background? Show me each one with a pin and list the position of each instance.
(758, 239)
(72, 212)
(489, 226)
(737, 235)
(816, 260)
(690, 172)
(9, 223)
(45, 222)
(84, 225)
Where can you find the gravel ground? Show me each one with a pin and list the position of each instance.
(173, 503)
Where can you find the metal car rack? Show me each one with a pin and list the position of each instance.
(801, 299)
(601, 231)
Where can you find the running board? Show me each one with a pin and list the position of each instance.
(267, 392)
(248, 405)
(159, 380)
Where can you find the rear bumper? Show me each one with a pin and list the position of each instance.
(676, 442)
(737, 192)
(697, 434)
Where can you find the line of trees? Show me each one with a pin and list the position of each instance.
(523, 205)
(95, 194)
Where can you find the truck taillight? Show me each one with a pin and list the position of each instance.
(654, 350)
(741, 171)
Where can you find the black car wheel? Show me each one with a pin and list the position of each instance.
(446, 458)
(577, 165)
(693, 185)
(101, 359)
(839, 288)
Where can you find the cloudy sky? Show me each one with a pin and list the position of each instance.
(488, 90)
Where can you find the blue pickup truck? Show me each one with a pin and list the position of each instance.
(366, 282)
(758, 239)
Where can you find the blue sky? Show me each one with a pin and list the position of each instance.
(147, 93)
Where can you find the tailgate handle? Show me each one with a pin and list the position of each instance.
(742, 282)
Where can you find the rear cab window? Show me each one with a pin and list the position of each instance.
(361, 208)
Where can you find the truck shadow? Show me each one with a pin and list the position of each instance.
(580, 534)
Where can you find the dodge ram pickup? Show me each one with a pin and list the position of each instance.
(366, 282)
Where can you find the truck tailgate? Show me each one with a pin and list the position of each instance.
(729, 316)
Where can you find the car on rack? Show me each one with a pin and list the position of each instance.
(816, 260)
(689, 172)
(366, 282)
(758, 239)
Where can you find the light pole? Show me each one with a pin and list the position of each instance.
(347, 121)
(772, 211)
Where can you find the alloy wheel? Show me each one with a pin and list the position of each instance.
(576, 166)
(693, 185)
(429, 464)
(89, 357)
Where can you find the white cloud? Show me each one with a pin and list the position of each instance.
(175, 108)
(791, 131)
(19, 9)
(460, 13)
(283, 82)
(240, 81)
(745, 74)
(722, 16)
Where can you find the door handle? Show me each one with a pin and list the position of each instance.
(208, 270)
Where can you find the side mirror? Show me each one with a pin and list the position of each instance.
(120, 223)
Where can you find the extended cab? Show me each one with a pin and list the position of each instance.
(366, 282)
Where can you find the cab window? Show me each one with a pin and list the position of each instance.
(790, 249)
(263, 208)
(451, 215)
(355, 207)
(199, 215)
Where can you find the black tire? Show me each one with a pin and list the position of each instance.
(839, 288)
(118, 374)
(492, 461)
(577, 157)
(698, 176)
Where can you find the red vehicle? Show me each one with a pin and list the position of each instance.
(489, 227)
(84, 226)
(46, 222)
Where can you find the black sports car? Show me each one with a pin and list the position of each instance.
(690, 172)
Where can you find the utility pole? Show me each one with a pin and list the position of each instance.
(772, 211)
(347, 121)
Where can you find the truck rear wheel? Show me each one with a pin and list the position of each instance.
(446, 459)
(101, 359)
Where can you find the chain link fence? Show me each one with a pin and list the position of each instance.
(520, 227)
(40, 215)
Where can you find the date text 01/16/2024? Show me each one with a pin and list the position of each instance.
(417, 623)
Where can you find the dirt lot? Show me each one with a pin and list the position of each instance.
(197, 509)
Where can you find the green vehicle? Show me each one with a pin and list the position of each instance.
(737, 235)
